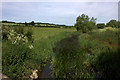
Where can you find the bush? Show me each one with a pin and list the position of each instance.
(107, 64)
(16, 49)
(112, 23)
(26, 31)
(100, 25)
(5, 33)
(14, 57)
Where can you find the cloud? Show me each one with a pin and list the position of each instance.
(60, 0)
(59, 12)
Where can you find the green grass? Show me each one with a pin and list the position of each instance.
(45, 40)
(77, 55)
(104, 49)
(25, 59)
(40, 33)
(90, 55)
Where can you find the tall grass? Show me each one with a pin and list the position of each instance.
(95, 55)
(104, 52)
(45, 41)
(28, 48)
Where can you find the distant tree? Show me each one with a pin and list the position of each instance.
(26, 24)
(100, 25)
(32, 23)
(84, 23)
(112, 23)
(7, 21)
(4, 21)
(118, 24)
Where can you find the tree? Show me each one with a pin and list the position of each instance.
(112, 23)
(84, 23)
(100, 25)
(26, 24)
(32, 23)
(118, 24)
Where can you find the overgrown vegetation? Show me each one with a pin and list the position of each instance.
(100, 25)
(16, 50)
(90, 56)
(26, 49)
(112, 23)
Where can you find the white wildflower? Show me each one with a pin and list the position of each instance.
(34, 74)
(9, 37)
(22, 35)
(17, 38)
(31, 46)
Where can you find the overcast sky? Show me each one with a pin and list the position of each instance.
(58, 12)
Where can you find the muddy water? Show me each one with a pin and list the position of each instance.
(45, 73)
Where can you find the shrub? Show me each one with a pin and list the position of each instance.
(107, 64)
(17, 49)
(100, 25)
(112, 23)
(14, 57)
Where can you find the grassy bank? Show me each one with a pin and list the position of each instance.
(45, 40)
(77, 55)
(89, 56)
(26, 49)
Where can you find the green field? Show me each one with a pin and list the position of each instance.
(46, 33)
(77, 55)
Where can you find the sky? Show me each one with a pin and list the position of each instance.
(58, 12)
(60, 0)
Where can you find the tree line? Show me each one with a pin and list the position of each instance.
(86, 24)
(35, 24)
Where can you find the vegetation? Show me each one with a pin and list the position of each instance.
(112, 23)
(26, 49)
(33, 24)
(100, 25)
(89, 56)
(83, 52)
(16, 51)
(84, 23)
(118, 24)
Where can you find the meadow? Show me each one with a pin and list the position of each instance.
(72, 54)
